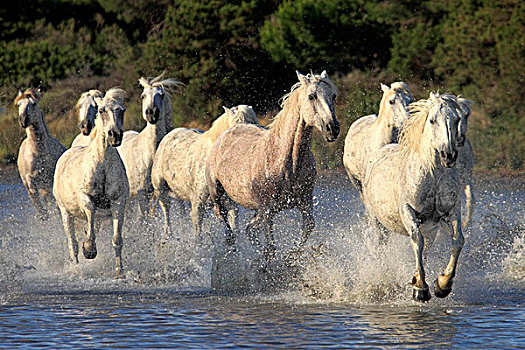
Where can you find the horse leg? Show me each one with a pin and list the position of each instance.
(89, 247)
(420, 291)
(233, 216)
(165, 205)
(470, 204)
(252, 229)
(443, 284)
(197, 216)
(142, 197)
(218, 198)
(34, 195)
(307, 211)
(269, 248)
(69, 228)
(117, 214)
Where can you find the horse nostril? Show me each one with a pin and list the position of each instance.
(443, 154)
(149, 111)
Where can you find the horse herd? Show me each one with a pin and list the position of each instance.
(410, 164)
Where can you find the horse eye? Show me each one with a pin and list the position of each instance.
(432, 121)
(312, 97)
(142, 97)
(391, 102)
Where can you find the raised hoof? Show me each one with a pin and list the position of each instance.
(91, 251)
(440, 292)
(421, 295)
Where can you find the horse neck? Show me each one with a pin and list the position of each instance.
(98, 145)
(38, 131)
(294, 137)
(385, 125)
(154, 132)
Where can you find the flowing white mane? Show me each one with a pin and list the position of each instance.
(166, 85)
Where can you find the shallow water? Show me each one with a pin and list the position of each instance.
(341, 291)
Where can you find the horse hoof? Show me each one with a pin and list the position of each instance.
(90, 252)
(441, 292)
(421, 295)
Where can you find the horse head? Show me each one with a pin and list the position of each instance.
(394, 103)
(241, 114)
(87, 110)
(156, 97)
(28, 109)
(465, 106)
(442, 127)
(316, 104)
(110, 118)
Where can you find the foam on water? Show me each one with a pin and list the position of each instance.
(342, 261)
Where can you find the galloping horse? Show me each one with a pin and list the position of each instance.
(38, 153)
(368, 134)
(87, 109)
(138, 149)
(412, 188)
(180, 161)
(270, 170)
(92, 180)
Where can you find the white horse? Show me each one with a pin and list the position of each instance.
(92, 180)
(412, 188)
(86, 108)
(138, 149)
(179, 166)
(38, 153)
(465, 162)
(270, 170)
(368, 134)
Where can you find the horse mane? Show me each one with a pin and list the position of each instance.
(244, 114)
(237, 115)
(411, 136)
(401, 87)
(289, 100)
(115, 94)
(93, 93)
(217, 127)
(30, 92)
(166, 85)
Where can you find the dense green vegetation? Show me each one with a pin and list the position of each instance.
(233, 52)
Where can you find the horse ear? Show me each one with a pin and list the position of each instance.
(20, 93)
(433, 95)
(302, 78)
(324, 75)
(384, 87)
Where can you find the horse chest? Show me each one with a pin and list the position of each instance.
(438, 200)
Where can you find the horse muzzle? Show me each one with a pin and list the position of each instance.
(448, 159)
(86, 127)
(152, 115)
(332, 131)
(23, 121)
(460, 141)
(115, 137)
